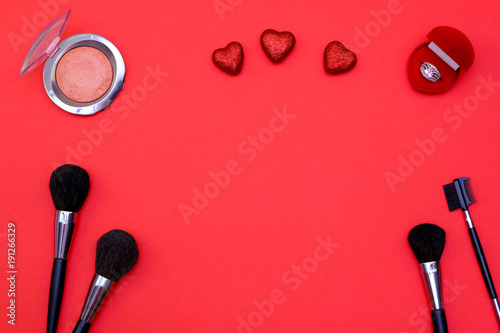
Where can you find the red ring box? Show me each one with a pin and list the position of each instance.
(449, 50)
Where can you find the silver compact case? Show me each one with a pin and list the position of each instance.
(82, 74)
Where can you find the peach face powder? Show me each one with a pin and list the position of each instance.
(84, 74)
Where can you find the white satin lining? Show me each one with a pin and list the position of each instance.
(441, 54)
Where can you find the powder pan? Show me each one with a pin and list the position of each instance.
(48, 49)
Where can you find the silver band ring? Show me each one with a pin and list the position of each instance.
(430, 72)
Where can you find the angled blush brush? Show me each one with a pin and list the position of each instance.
(69, 186)
(116, 254)
(459, 195)
(427, 242)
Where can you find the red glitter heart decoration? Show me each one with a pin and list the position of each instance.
(277, 45)
(229, 58)
(338, 59)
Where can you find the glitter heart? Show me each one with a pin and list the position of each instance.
(338, 59)
(277, 45)
(229, 58)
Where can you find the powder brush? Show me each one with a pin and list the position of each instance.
(116, 254)
(69, 186)
(427, 242)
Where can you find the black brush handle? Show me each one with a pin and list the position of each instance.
(439, 321)
(56, 293)
(481, 259)
(81, 327)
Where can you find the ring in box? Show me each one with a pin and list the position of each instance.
(449, 51)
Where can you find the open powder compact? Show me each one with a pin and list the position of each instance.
(83, 73)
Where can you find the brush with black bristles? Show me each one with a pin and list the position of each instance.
(459, 195)
(69, 186)
(116, 254)
(427, 242)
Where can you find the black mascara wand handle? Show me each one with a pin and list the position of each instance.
(481, 259)
(56, 294)
(439, 321)
(81, 327)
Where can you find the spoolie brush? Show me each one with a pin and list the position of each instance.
(459, 195)
(116, 254)
(69, 186)
(427, 242)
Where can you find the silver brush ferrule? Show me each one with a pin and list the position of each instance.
(470, 225)
(98, 289)
(432, 278)
(64, 230)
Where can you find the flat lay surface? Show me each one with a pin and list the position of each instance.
(276, 200)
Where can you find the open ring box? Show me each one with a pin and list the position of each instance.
(449, 50)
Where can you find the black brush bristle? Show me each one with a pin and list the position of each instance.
(69, 186)
(451, 195)
(427, 242)
(116, 254)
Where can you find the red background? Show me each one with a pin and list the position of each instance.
(322, 175)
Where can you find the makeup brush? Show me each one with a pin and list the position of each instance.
(69, 186)
(427, 242)
(116, 254)
(459, 195)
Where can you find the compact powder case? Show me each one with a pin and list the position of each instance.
(83, 73)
